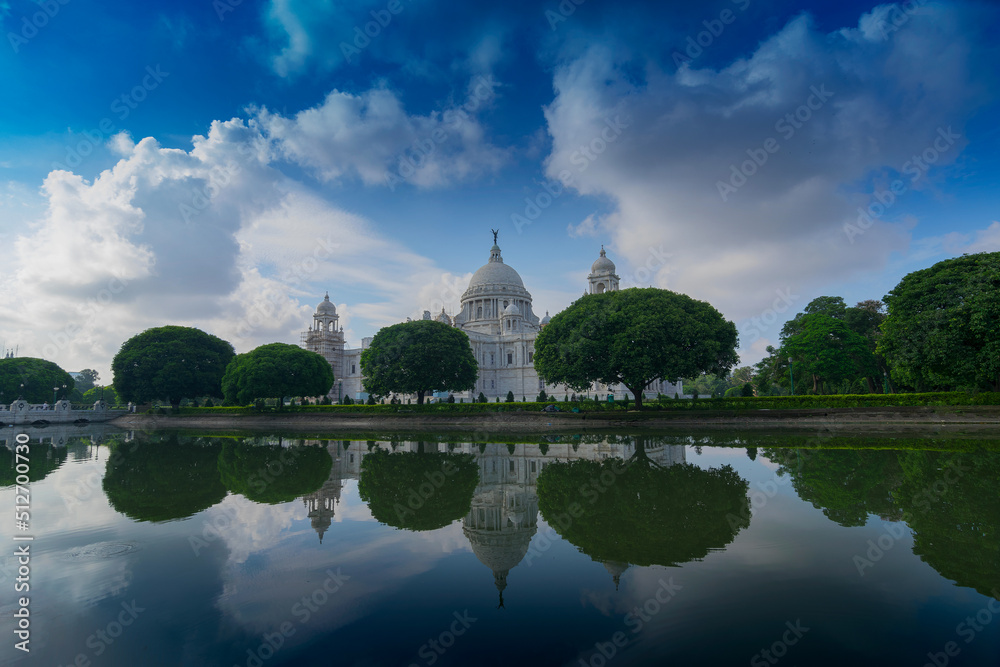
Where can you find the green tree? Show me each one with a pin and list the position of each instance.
(275, 371)
(418, 490)
(87, 380)
(163, 479)
(418, 357)
(172, 363)
(273, 474)
(648, 515)
(42, 460)
(94, 394)
(825, 349)
(38, 377)
(942, 329)
(831, 306)
(633, 337)
(510, 396)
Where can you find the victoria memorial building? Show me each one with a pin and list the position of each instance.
(497, 315)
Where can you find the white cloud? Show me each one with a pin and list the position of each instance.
(370, 136)
(659, 150)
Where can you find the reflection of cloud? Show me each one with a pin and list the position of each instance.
(247, 527)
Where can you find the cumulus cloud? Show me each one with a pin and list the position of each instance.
(215, 237)
(370, 136)
(747, 175)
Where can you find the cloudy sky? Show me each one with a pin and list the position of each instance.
(223, 163)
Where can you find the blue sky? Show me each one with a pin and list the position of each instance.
(222, 164)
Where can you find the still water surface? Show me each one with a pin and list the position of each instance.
(726, 549)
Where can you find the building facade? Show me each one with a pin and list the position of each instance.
(497, 314)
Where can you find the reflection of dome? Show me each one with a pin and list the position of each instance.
(602, 264)
(616, 569)
(500, 551)
(511, 310)
(326, 307)
(495, 272)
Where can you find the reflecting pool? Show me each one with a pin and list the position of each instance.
(712, 549)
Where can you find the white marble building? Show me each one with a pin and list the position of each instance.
(497, 315)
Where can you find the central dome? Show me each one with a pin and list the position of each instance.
(495, 272)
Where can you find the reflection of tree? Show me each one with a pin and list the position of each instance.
(418, 491)
(950, 501)
(847, 485)
(641, 513)
(273, 474)
(162, 480)
(42, 460)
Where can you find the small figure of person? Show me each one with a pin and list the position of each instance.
(45, 405)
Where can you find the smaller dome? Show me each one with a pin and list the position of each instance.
(511, 310)
(602, 264)
(326, 307)
(443, 317)
(546, 319)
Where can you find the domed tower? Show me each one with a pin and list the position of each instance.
(602, 276)
(325, 336)
(494, 287)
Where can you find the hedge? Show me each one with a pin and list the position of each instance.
(800, 402)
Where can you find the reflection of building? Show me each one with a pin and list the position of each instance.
(322, 503)
(496, 313)
(503, 517)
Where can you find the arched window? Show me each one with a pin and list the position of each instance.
(479, 313)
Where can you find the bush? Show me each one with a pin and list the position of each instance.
(481, 398)
(542, 397)
(451, 398)
(510, 397)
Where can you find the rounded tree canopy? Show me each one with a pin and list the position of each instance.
(418, 490)
(170, 363)
(417, 357)
(38, 377)
(275, 371)
(273, 474)
(634, 336)
(163, 480)
(942, 328)
(647, 515)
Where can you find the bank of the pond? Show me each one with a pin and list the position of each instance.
(983, 417)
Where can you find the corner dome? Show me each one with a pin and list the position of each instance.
(546, 319)
(602, 264)
(511, 310)
(326, 306)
